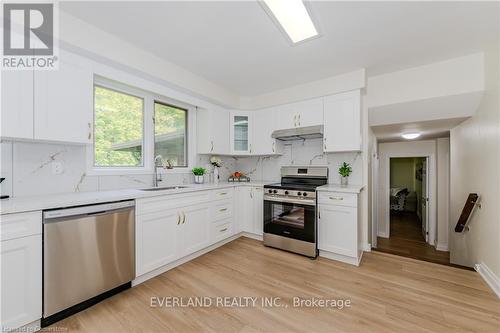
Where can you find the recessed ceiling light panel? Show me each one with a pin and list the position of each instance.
(294, 18)
(410, 136)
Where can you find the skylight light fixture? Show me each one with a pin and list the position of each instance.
(294, 18)
(410, 136)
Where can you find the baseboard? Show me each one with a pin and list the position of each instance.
(442, 247)
(251, 235)
(382, 234)
(140, 279)
(489, 277)
(367, 247)
(340, 257)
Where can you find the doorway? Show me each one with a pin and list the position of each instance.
(409, 193)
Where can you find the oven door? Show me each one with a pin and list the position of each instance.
(290, 219)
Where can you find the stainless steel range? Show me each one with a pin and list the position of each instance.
(290, 221)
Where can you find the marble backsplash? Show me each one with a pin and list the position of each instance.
(28, 168)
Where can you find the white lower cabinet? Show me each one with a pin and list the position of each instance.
(338, 227)
(171, 227)
(156, 239)
(21, 269)
(250, 209)
(258, 210)
(194, 229)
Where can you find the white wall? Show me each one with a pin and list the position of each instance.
(475, 165)
(443, 193)
(426, 148)
(451, 77)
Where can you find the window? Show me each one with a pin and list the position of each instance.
(170, 134)
(132, 126)
(118, 128)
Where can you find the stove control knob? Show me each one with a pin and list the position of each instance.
(299, 194)
(274, 191)
(270, 191)
(304, 194)
(286, 192)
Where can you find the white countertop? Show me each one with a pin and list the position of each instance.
(60, 200)
(340, 188)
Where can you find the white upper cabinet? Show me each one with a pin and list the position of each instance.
(264, 123)
(300, 114)
(64, 101)
(241, 132)
(342, 122)
(213, 131)
(17, 105)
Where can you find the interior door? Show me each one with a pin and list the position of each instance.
(425, 199)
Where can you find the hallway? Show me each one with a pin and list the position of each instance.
(406, 240)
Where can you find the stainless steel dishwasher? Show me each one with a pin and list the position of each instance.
(88, 255)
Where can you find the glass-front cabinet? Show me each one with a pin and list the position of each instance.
(241, 133)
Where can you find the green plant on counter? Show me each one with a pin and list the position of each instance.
(345, 169)
(198, 171)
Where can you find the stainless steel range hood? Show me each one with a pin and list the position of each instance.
(299, 133)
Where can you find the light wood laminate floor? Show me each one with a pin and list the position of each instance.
(388, 294)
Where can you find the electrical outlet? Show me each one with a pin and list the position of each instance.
(57, 168)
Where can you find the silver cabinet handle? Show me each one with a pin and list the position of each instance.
(90, 131)
(222, 230)
(251, 194)
(222, 209)
(336, 198)
(223, 193)
(274, 144)
(178, 218)
(250, 147)
(324, 140)
(299, 119)
(183, 217)
(211, 146)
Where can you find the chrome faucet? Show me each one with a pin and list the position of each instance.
(158, 162)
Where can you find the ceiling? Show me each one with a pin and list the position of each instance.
(428, 129)
(237, 46)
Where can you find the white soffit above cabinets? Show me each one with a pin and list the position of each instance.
(235, 45)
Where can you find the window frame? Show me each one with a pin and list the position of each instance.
(148, 143)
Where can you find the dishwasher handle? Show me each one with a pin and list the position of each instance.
(89, 210)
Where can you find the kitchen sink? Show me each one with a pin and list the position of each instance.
(166, 188)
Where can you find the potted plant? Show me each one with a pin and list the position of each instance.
(198, 174)
(345, 170)
(217, 163)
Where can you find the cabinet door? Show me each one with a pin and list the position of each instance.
(156, 240)
(194, 228)
(21, 281)
(264, 123)
(286, 117)
(244, 209)
(310, 112)
(337, 229)
(241, 133)
(258, 210)
(220, 132)
(64, 101)
(17, 104)
(342, 128)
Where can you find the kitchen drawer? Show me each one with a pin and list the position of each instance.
(338, 199)
(167, 202)
(221, 210)
(221, 230)
(223, 193)
(20, 225)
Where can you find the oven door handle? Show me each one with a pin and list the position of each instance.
(287, 200)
